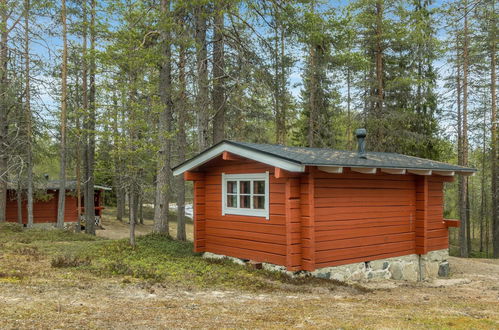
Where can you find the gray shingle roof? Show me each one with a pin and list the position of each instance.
(329, 157)
(55, 184)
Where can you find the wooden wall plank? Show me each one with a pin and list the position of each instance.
(199, 206)
(422, 214)
(293, 230)
(44, 211)
(359, 216)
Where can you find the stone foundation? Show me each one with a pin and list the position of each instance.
(411, 267)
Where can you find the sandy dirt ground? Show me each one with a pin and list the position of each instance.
(67, 298)
(57, 298)
(113, 229)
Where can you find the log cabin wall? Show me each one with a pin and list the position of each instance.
(438, 233)
(241, 236)
(44, 211)
(363, 217)
(320, 219)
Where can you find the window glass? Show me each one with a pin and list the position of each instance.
(231, 200)
(231, 187)
(244, 201)
(259, 202)
(259, 187)
(245, 187)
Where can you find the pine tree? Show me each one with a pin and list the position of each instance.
(63, 122)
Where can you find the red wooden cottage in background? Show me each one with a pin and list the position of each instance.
(45, 209)
(310, 208)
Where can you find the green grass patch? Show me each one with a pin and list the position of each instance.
(14, 232)
(155, 259)
(161, 259)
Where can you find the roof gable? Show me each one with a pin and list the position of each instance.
(240, 150)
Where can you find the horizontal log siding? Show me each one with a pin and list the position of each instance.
(199, 216)
(421, 214)
(362, 217)
(43, 211)
(249, 237)
(307, 220)
(293, 224)
(438, 234)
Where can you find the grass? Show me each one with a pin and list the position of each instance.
(155, 259)
(58, 279)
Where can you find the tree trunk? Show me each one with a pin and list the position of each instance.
(62, 170)
(349, 110)
(279, 77)
(182, 143)
(90, 133)
(118, 165)
(27, 106)
(483, 198)
(202, 78)
(120, 204)
(133, 214)
(463, 182)
(19, 200)
(283, 103)
(141, 209)
(218, 94)
(494, 133)
(379, 57)
(164, 175)
(3, 107)
(312, 111)
(130, 206)
(80, 154)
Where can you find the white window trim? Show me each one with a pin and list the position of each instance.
(249, 212)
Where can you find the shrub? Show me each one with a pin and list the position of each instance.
(29, 251)
(66, 261)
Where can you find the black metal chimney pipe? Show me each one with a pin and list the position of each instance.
(361, 133)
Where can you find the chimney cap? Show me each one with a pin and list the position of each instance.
(360, 132)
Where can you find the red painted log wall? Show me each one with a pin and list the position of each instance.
(321, 219)
(247, 237)
(43, 211)
(362, 217)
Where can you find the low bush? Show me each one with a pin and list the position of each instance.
(66, 261)
(160, 259)
(29, 251)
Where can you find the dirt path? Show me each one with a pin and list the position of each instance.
(113, 229)
(55, 298)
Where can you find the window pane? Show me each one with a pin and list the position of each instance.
(244, 201)
(245, 187)
(259, 202)
(259, 187)
(231, 200)
(231, 187)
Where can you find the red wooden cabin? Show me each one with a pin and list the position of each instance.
(309, 208)
(45, 209)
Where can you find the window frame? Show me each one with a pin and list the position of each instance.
(264, 213)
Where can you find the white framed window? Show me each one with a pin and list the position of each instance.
(246, 194)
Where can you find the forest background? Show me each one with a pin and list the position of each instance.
(117, 92)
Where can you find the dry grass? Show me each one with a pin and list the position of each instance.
(33, 294)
